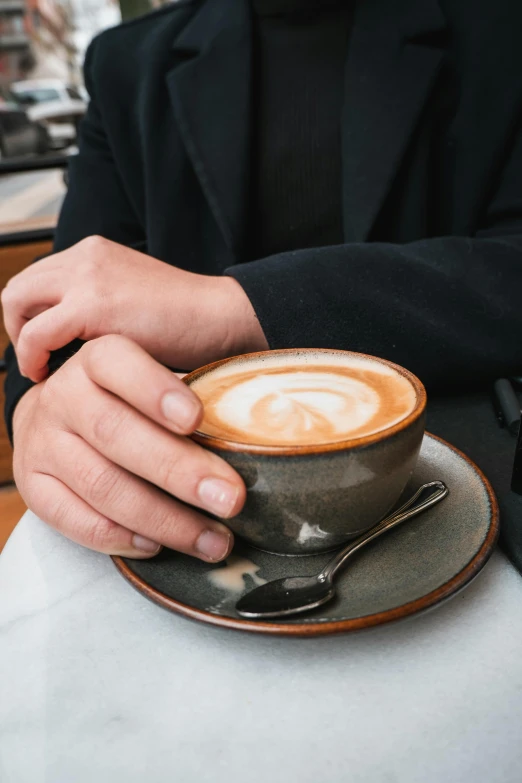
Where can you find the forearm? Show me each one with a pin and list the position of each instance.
(447, 308)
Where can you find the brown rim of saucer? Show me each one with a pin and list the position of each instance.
(276, 628)
(221, 444)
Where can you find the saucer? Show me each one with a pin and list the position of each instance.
(408, 570)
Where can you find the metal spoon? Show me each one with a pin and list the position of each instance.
(294, 594)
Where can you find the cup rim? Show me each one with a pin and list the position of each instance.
(349, 444)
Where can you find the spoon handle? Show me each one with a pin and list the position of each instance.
(410, 509)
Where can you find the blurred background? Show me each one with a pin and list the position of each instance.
(42, 102)
(42, 97)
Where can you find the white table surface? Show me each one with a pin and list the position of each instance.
(97, 685)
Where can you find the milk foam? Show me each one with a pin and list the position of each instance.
(302, 399)
(295, 406)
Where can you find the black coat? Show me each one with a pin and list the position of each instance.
(430, 272)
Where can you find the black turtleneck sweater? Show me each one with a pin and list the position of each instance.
(299, 54)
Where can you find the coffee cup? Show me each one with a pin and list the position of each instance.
(325, 441)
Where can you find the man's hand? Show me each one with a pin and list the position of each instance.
(98, 287)
(100, 453)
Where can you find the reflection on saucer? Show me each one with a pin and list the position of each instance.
(232, 575)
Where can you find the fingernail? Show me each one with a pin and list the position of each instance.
(218, 496)
(181, 409)
(213, 545)
(145, 545)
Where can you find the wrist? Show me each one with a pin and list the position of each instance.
(238, 328)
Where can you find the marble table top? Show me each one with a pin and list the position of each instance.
(97, 685)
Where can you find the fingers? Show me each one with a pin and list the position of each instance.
(134, 504)
(120, 366)
(175, 464)
(46, 332)
(110, 461)
(61, 508)
(128, 435)
(28, 293)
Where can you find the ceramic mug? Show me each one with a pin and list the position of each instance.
(312, 498)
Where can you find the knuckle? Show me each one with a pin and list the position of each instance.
(102, 349)
(94, 531)
(8, 296)
(93, 353)
(167, 525)
(107, 423)
(93, 243)
(90, 264)
(47, 405)
(48, 392)
(20, 471)
(102, 534)
(28, 337)
(171, 474)
(51, 391)
(58, 513)
(111, 342)
(100, 483)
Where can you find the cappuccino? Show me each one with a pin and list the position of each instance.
(302, 399)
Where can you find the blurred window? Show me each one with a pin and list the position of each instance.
(42, 102)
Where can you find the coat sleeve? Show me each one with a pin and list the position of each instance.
(96, 203)
(448, 308)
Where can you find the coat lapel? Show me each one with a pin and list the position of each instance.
(209, 89)
(393, 60)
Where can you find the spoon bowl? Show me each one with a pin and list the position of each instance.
(290, 595)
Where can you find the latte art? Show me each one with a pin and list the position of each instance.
(296, 407)
(302, 404)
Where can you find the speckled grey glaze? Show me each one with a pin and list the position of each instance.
(309, 503)
(303, 503)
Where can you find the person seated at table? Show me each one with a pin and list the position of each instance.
(259, 174)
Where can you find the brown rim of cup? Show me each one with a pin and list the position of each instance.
(211, 441)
